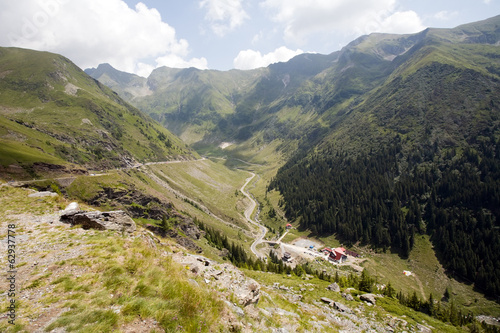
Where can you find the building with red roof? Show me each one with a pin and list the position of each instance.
(338, 255)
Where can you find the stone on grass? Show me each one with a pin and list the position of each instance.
(334, 287)
(114, 220)
(42, 195)
(370, 298)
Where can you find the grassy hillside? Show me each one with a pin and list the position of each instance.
(81, 281)
(52, 112)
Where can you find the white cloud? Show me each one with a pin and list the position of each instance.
(90, 32)
(401, 22)
(250, 59)
(257, 37)
(445, 15)
(300, 19)
(224, 15)
(174, 61)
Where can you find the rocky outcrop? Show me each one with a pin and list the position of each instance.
(334, 287)
(141, 205)
(114, 220)
(370, 298)
(42, 194)
(348, 297)
(341, 307)
(187, 227)
(226, 277)
(136, 203)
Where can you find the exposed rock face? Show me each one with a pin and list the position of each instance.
(225, 276)
(341, 307)
(370, 298)
(326, 300)
(42, 195)
(188, 227)
(136, 203)
(348, 297)
(114, 220)
(334, 287)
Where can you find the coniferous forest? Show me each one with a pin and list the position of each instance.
(385, 198)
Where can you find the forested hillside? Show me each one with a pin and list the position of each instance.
(421, 154)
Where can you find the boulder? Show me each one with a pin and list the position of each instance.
(114, 220)
(348, 297)
(72, 206)
(72, 209)
(370, 298)
(247, 292)
(341, 307)
(326, 300)
(42, 195)
(334, 287)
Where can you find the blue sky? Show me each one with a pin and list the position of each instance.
(138, 36)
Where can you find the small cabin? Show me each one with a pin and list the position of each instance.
(287, 256)
(338, 255)
(326, 250)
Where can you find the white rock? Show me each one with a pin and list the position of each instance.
(42, 195)
(72, 206)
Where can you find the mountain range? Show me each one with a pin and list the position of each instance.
(391, 137)
(302, 97)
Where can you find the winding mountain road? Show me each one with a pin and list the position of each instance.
(248, 216)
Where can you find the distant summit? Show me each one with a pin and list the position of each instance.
(128, 86)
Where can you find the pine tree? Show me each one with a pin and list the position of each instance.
(366, 282)
(389, 290)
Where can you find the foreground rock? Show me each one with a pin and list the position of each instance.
(225, 276)
(326, 300)
(42, 194)
(114, 220)
(370, 298)
(334, 287)
(341, 307)
(348, 297)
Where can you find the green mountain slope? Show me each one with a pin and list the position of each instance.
(213, 106)
(419, 153)
(52, 112)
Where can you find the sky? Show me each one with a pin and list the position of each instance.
(139, 36)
